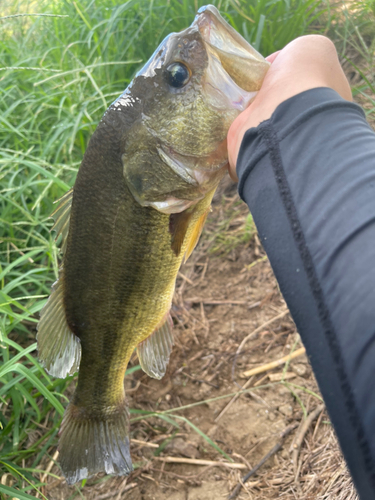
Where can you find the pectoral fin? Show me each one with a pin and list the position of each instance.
(62, 217)
(195, 235)
(154, 352)
(178, 226)
(59, 350)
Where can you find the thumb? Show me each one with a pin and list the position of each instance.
(273, 56)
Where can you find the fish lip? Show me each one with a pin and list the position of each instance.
(240, 60)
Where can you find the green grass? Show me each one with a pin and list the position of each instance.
(233, 226)
(58, 74)
(354, 34)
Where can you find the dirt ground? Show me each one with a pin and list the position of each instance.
(225, 293)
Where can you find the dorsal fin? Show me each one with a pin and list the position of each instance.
(62, 217)
(154, 352)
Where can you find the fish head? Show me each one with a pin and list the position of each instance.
(189, 93)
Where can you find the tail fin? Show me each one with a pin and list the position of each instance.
(89, 445)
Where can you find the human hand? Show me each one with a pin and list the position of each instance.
(305, 63)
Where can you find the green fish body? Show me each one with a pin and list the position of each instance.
(137, 209)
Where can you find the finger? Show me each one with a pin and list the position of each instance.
(273, 56)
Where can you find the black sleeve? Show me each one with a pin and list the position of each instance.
(308, 177)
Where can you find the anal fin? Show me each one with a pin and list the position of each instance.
(59, 350)
(154, 352)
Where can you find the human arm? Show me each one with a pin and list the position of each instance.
(307, 173)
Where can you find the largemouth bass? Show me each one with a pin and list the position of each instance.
(137, 209)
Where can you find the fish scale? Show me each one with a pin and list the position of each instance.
(142, 195)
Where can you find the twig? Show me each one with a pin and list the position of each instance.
(211, 377)
(110, 494)
(298, 440)
(161, 471)
(201, 381)
(277, 377)
(145, 443)
(54, 484)
(254, 305)
(317, 426)
(185, 278)
(150, 478)
(197, 300)
(252, 335)
(204, 270)
(273, 364)
(20, 252)
(122, 488)
(204, 320)
(272, 452)
(193, 461)
(134, 389)
(49, 467)
(256, 262)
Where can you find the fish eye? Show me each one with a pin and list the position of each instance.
(177, 75)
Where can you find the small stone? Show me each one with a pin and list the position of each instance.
(272, 416)
(299, 369)
(180, 447)
(204, 391)
(286, 410)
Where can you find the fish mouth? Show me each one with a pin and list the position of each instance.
(244, 65)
